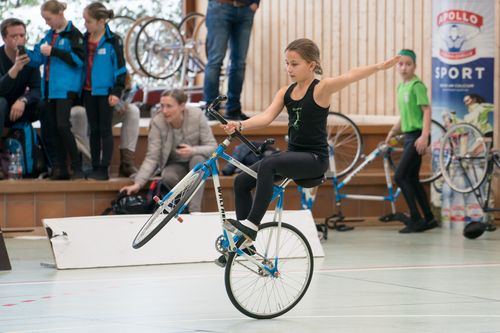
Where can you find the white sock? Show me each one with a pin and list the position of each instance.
(250, 225)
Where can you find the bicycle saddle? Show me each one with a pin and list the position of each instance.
(310, 182)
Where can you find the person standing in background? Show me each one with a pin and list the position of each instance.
(228, 23)
(61, 54)
(105, 74)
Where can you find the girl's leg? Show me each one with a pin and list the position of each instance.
(295, 165)
(63, 111)
(405, 175)
(105, 130)
(92, 110)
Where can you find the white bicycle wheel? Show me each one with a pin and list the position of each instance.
(464, 158)
(345, 143)
(256, 293)
(176, 199)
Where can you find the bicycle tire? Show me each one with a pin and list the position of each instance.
(464, 158)
(167, 54)
(178, 197)
(430, 160)
(345, 143)
(242, 295)
(129, 45)
(119, 25)
(186, 28)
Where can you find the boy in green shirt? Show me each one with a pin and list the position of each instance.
(414, 123)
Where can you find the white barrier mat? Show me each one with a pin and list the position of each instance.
(105, 241)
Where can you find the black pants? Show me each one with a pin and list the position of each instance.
(30, 114)
(56, 132)
(407, 178)
(100, 117)
(295, 165)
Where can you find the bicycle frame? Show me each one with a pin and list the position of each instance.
(211, 169)
(392, 196)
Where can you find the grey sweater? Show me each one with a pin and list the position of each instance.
(197, 133)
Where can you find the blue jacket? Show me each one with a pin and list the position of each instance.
(108, 69)
(66, 62)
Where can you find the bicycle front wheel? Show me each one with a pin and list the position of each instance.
(258, 294)
(345, 143)
(172, 203)
(429, 169)
(464, 158)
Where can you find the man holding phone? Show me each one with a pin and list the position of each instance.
(19, 84)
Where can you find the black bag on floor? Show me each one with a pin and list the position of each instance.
(137, 204)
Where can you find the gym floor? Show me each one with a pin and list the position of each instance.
(372, 279)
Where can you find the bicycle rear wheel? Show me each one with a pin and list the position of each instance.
(464, 158)
(260, 295)
(172, 203)
(159, 48)
(429, 170)
(345, 143)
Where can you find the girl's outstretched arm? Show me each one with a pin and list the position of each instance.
(329, 86)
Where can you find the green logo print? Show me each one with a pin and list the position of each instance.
(296, 123)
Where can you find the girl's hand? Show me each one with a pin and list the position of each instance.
(388, 63)
(46, 49)
(421, 144)
(131, 189)
(231, 127)
(113, 100)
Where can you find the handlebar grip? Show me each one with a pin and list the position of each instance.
(222, 120)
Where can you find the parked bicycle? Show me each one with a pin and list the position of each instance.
(467, 161)
(346, 149)
(263, 279)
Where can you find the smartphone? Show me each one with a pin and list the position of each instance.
(21, 49)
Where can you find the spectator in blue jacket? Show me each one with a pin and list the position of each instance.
(61, 53)
(105, 74)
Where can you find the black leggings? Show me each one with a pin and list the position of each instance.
(100, 117)
(295, 165)
(56, 129)
(407, 178)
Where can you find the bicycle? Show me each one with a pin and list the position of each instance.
(467, 162)
(345, 149)
(263, 279)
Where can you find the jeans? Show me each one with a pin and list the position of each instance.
(233, 25)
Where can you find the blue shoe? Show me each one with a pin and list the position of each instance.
(236, 226)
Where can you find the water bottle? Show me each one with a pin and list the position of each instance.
(19, 164)
(12, 170)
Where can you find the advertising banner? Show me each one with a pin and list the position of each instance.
(463, 50)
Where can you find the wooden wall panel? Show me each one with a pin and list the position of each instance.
(349, 33)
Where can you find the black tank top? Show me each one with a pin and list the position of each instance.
(306, 123)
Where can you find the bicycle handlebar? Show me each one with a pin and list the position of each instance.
(222, 120)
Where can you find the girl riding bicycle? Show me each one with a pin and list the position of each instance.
(307, 101)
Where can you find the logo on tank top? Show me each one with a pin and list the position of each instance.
(296, 123)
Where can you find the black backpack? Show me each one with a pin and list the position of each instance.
(23, 137)
(244, 155)
(137, 204)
